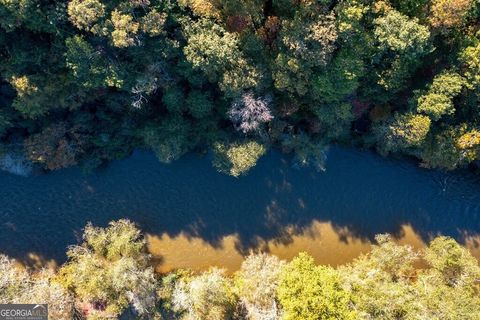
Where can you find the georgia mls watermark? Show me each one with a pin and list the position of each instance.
(23, 312)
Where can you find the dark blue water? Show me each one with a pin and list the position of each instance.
(359, 190)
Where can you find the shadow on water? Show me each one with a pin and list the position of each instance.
(359, 195)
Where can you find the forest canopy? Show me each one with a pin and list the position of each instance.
(88, 81)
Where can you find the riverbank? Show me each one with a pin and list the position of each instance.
(188, 203)
(110, 275)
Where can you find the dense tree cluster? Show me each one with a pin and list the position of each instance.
(87, 81)
(110, 275)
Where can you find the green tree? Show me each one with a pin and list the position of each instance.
(402, 35)
(153, 23)
(206, 296)
(34, 15)
(455, 263)
(307, 150)
(441, 149)
(435, 105)
(379, 281)
(216, 52)
(203, 8)
(27, 100)
(37, 95)
(335, 119)
(88, 66)
(449, 288)
(470, 57)
(469, 144)
(401, 43)
(438, 100)
(56, 146)
(257, 282)
(341, 78)
(411, 8)
(13, 280)
(199, 104)
(448, 13)
(110, 270)
(236, 159)
(18, 285)
(85, 14)
(170, 139)
(306, 44)
(436, 300)
(310, 292)
(174, 99)
(124, 29)
(403, 131)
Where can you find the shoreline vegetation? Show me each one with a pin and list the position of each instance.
(110, 276)
(88, 81)
(84, 82)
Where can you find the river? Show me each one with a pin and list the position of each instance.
(195, 217)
